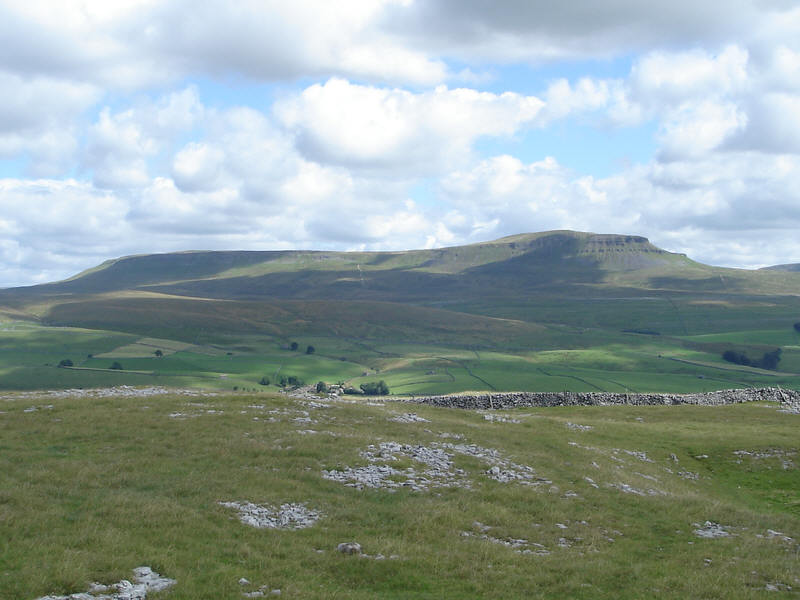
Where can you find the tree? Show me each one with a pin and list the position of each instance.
(310, 350)
(375, 389)
(293, 346)
(116, 366)
(797, 327)
(264, 381)
(322, 387)
(158, 353)
(65, 363)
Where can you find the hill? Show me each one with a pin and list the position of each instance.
(552, 310)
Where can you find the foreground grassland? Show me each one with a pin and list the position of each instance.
(93, 487)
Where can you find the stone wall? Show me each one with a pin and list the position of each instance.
(790, 398)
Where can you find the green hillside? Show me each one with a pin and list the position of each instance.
(553, 310)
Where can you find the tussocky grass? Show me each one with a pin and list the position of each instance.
(93, 487)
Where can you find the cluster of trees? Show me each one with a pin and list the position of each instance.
(769, 361)
(289, 380)
(375, 389)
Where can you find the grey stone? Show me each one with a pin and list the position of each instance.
(349, 548)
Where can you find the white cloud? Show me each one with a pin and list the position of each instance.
(120, 144)
(363, 126)
(664, 78)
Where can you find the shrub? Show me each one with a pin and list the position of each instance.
(116, 366)
(310, 350)
(264, 381)
(322, 387)
(293, 346)
(158, 353)
(65, 363)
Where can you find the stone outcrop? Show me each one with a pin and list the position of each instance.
(499, 400)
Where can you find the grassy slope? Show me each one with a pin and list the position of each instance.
(546, 292)
(95, 487)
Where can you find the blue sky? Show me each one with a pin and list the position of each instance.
(162, 125)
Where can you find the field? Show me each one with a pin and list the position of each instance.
(95, 486)
(545, 358)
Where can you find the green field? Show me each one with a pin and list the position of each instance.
(30, 355)
(94, 487)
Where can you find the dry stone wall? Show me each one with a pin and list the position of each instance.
(501, 400)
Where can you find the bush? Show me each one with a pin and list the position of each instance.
(116, 366)
(158, 353)
(797, 327)
(264, 381)
(322, 387)
(310, 350)
(293, 346)
(65, 363)
(375, 389)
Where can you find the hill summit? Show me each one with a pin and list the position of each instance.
(530, 259)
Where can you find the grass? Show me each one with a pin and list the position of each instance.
(94, 487)
(598, 360)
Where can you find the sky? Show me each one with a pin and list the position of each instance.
(142, 126)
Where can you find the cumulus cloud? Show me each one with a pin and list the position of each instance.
(363, 126)
(120, 144)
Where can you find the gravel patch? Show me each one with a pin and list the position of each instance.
(287, 516)
(145, 580)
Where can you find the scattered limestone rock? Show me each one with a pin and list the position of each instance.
(501, 469)
(409, 418)
(287, 516)
(349, 548)
(439, 471)
(785, 456)
(624, 487)
(710, 529)
(777, 586)
(576, 427)
(519, 545)
(145, 581)
(494, 418)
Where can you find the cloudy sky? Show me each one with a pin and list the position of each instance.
(138, 126)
